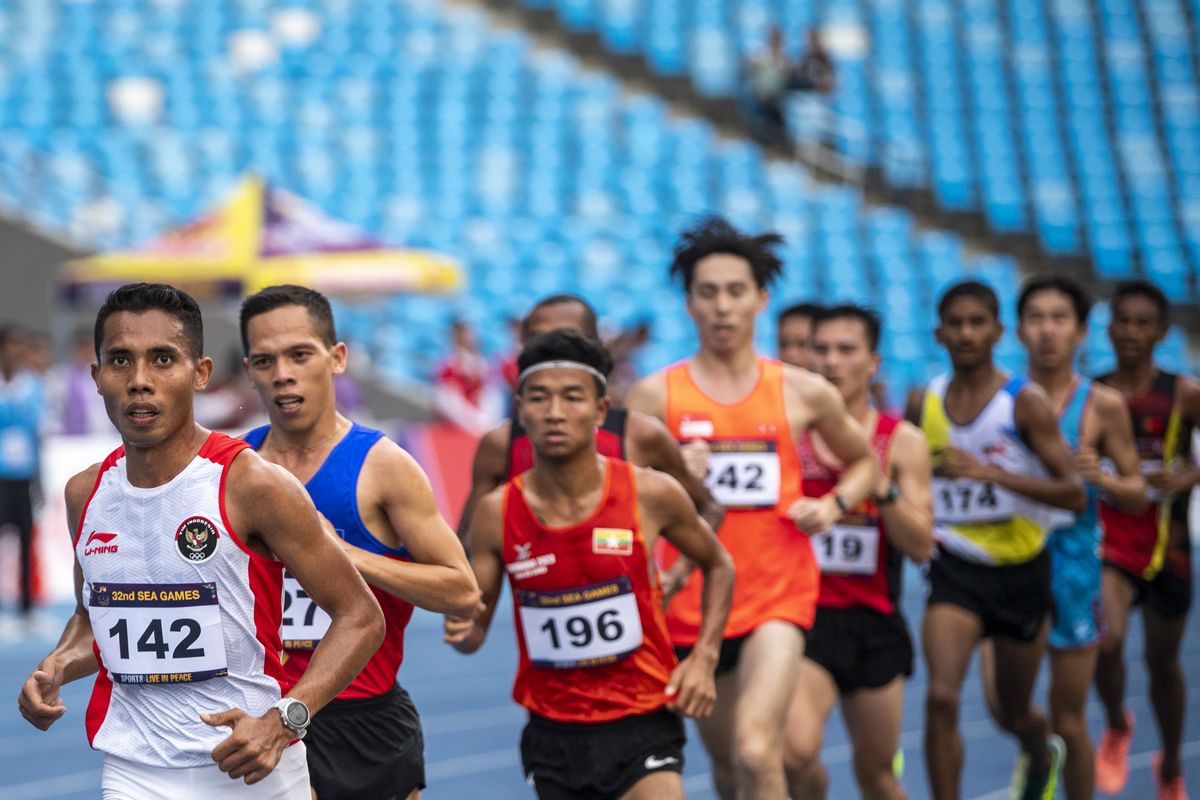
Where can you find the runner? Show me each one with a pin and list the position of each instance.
(746, 412)
(793, 334)
(367, 744)
(999, 462)
(505, 451)
(574, 534)
(859, 649)
(1147, 556)
(1093, 418)
(176, 536)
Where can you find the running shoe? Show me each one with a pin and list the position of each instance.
(1045, 787)
(1112, 758)
(1168, 790)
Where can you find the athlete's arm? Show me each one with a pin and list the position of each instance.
(692, 685)
(657, 449)
(1181, 477)
(72, 658)
(273, 510)
(913, 406)
(466, 634)
(1035, 419)
(845, 437)
(1127, 487)
(439, 577)
(909, 519)
(488, 471)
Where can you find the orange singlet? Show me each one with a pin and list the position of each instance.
(755, 473)
(590, 630)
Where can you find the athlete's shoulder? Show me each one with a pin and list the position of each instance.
(496, 440)
(1106, 400)
(649, 395)
(809, 388)
(646, 431)
(658, 488)
(253, 478)
(79, 486)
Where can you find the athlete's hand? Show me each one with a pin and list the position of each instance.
(958, 464)
(693, 686)
(1087, 464)
(254, 747)
(814, 514)
(1171, 482)
(39, 701)
(461, 632)
(696, 455)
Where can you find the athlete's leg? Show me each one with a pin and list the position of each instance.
(814, 699)
(949, 634)
(766, 677)
(1016, 665)
(873, 718)
(1117, 592)
(657, 786)
(1070, 677)
(1168, 694)
(716, 731)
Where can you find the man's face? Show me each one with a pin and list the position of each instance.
(291, 367)
(147, 376)
(843, 355)
(969, 331)
(559, 316)
(1050, 330)
(724, 301)
(795, 341)
(560, 408)
(1136, 328)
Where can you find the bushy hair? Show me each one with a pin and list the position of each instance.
(274, 297)
(715, 235)
(567, 345)
(1081, 301)
(138, 298)
(805, 310)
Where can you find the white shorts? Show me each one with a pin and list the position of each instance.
(127, 780)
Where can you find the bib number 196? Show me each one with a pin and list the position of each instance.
(584, 627)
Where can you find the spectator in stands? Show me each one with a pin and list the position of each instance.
(461, 392)
(815, 71)
(21, 403)
(73, 406)
(769, 74)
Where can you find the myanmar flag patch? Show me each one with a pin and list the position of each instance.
(612, 541)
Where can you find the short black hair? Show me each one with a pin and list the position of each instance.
(1142, 288)
(289, 294)
(138, 298)
(869, 318)
(805, 310)
(974, 290)
(716, 235)
(590, 326)
(1081, 301)
(567, 345)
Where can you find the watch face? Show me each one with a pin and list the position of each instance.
(297, 715)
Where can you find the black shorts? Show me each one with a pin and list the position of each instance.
(860, 648)
(601, 760)
(16, 504)
(1011, 600)
(731, 651)
(368, 749)
(1169, 593)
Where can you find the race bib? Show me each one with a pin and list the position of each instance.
(744, 474)
(847, 549)
(963, 502)
(586, 627)
(158, 633)
(304, 622)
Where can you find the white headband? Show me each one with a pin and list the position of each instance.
(595, 373)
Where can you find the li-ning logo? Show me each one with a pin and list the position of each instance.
(102, 544)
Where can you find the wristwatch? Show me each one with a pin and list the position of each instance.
(295, 716)
(890, 496)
